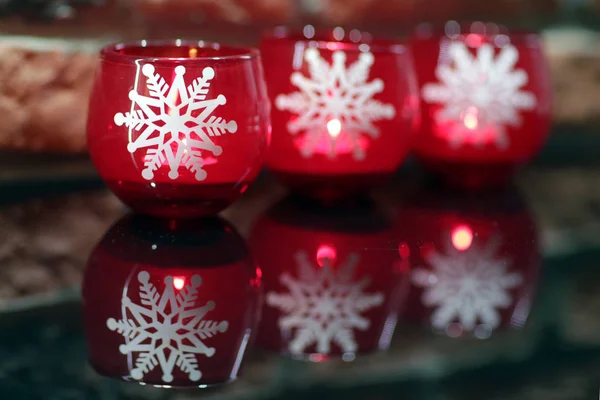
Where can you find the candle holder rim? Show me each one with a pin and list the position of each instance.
(285, 35)
(112, 52)
(437, 30)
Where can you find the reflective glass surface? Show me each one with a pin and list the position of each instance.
(412, 291)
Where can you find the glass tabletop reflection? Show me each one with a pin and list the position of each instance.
(412, 291)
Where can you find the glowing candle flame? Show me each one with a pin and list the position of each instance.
(470, 119)
(178, 283)
(474, 40)
(462, 237)
(325, 254)
(334, 127)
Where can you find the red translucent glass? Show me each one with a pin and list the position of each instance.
(486, 101)
(474, 262)
(331, 287)
(178, 129)
(344, 108)
(170, 303)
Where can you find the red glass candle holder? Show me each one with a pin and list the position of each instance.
(332, 283)
(178, 129)
(344, 111)
(474, 261)
(486, 101)
(170, 303)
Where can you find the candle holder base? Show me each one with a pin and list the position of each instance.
(331, 188)
(176, 200)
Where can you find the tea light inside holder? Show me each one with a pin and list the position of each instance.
(345, 108)
(485, 99)
(178, 129)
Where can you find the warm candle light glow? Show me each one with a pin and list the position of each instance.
(178, 283)
(470, 119)
(334, 127)
(325, 253)
(462, 237)
(474, 40)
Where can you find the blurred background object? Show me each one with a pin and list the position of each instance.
(48, 56)
(207, 11)
(45, 86)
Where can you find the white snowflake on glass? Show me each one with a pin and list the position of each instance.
(335, 105)
(467, 286)
(166, 330)
(480, 95)
(324, 305)
(174, 123)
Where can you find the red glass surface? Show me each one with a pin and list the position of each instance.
(170, 303)
(486, 101)
(474, 261)
(345, 108)
(331, 283)
(178, 129)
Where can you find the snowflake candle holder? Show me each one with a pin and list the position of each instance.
(170, 303)
(332, 289)
(344, 111)
(485, 100)
(474, 261)
(178, 129)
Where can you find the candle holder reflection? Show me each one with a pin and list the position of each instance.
(331, 282)
(170, 303)
(475, 261)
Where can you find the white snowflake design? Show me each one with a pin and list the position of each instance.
(481, 95)
(166, 330)
(467, 286)
(334, 93)
(175, 122)
(323, 305)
